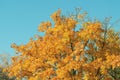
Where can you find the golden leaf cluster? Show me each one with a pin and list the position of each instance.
(64, 53)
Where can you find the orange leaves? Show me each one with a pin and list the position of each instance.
(113, 60)
(103, 70)
(66, 37)
(91, 30)
(71, 23)
(67, 59)
(44, 26)
(64, 53)
(62, 73)
(56, 17)
(94, 25)
(86, 76)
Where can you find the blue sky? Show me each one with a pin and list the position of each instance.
(19, 19)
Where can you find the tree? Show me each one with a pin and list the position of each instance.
(68, 53)
(4, 76)
(3, 64)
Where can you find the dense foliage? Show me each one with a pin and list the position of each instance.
(4, 76)
(3, 64)
(68, 53)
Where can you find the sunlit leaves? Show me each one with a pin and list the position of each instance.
(64, 53)
(44, 26)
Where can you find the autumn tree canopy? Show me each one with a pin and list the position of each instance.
(65, 52)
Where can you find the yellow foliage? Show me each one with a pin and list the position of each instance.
(64, 53)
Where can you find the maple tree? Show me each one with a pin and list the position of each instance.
(68, 53)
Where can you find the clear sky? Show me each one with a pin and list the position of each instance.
(19, 19)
